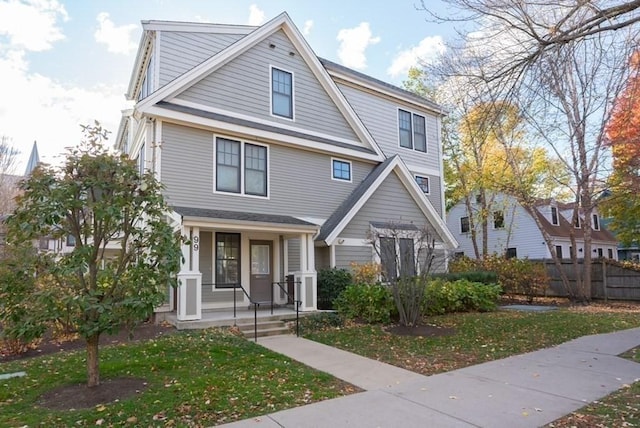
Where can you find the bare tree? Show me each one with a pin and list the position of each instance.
(563, 65)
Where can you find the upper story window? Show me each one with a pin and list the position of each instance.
(71, 241)
(412, 131)
(464, 225)
(146, 88)
(576, 221)
(423, 183)
(554, 216)
(498, 220)
(241, 167)
(142, 158)
(341, 170)
(281, 93)
(596, 222)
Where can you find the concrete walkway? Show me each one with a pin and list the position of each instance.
(528, 390)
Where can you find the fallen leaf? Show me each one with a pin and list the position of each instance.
(453, 397)
(99, 421)
(132, 420)
(101, 408)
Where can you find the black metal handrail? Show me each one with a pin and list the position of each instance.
(293, 298)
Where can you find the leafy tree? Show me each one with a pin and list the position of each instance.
(100, 199)
(623, 136)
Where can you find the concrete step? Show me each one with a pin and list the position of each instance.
(264, 328)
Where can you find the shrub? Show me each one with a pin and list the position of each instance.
(482, 276)
(320, 321)
(371, 303)
(516, 276)
(331, 282)
(366, 273)
(443, 296)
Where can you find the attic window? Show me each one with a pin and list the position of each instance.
(554, 216)
(281, 93)
(596, 222)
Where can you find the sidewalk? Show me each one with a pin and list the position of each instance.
(528, 390)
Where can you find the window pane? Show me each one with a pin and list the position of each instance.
(404, 122)
(255, 178)
(388, 258)
(407, 258)
(423, 183)
(464, 224)
(419, 133)
(227, 259)
(498, 220)
(227, 165)
(554, 216)
(281, 93)
(341, 170)
(260, 259)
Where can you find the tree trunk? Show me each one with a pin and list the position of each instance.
(93, 370)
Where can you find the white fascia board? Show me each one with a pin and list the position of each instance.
(418, 169)
(258, 135)
(425, 205)
(330, 240)
(197, 27)
(381, 90)
(288, 127)
(216, 223)
(141, 58)
(197, 73)
(124, 121)
(329, 85)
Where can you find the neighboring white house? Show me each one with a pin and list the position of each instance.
(275, 162)
(513, 231)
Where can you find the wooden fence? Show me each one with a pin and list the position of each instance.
(609, 280)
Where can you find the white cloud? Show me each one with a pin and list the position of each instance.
(427, 50)
(353, 43)
(256, 15)
(308, 25)
(31, 24)
(34, 107)
(118, 39)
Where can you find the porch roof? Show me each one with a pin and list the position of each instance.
(244, 217)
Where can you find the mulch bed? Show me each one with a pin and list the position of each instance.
(79, 396)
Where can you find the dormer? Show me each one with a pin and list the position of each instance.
(555, 218)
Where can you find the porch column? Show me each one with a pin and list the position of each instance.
(190, 279)
(306, 278)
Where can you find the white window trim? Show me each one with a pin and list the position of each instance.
(293, 93)
(460, 224)
(413, 146)
(557, 216)
(350, 180)
(428, 183)
(242, 167)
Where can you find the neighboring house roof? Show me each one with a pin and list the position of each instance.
(34, 159)
(284, 23)
(261, 126)
(203, 213)
(350, 206)
(566, 228)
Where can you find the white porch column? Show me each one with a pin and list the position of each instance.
(306, 277)
(190, 279)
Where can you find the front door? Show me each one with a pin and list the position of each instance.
(261, 275)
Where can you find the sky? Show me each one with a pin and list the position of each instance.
(67, 63)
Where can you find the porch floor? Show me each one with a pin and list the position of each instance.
(225, 318)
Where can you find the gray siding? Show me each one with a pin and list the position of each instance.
(323, 258)
(390, 203)
(435, 192)
(300, 181)
(181, 51)
(293, 247)
(345, 255)
(243, 86)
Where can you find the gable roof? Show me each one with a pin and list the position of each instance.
(343, 215)
(565, 228)
(281, 22)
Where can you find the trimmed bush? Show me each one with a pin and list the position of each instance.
(320, 321)
(443, 297)
(371, 303)
(482, 276)
(331, 282)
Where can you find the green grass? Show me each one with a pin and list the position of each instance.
(478, 337)
(194, 379)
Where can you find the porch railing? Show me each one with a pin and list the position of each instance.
(290, 297)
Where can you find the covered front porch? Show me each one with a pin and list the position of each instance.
(237, 261)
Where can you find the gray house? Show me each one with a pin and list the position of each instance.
(277, 163)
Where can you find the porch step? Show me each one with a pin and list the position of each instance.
(265, 328)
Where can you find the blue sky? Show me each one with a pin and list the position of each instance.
(65, 63)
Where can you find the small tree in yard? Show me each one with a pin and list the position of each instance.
(99, 198)
(406, 273)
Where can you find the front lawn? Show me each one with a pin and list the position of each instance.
(477, 337)
(193, 379)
